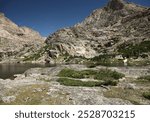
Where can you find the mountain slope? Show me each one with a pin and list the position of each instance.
(17, 42)
(110, 30)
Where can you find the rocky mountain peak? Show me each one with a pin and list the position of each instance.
(116, 4)
(104, 31)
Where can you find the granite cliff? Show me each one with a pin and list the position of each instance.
(120, 29)
(16, 42)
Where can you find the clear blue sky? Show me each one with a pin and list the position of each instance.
(47, 16)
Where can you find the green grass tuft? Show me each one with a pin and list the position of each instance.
(146, 95)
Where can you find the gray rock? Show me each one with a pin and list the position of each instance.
(103, 31)
(17, 42)
(130, 86)
(37, 90)
(8, 99)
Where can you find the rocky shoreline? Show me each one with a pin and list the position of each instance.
(40, 86)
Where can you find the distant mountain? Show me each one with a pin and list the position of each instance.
(17, 42)
(120, 28)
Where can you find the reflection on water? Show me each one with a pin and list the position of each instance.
(8, 70)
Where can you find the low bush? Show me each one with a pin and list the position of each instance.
(72, 82)
(134, 50)
(105, 74)
(146, 95)
(76, 74)
(102, 74)
(104, 77)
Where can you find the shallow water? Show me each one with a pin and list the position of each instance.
(9, 70)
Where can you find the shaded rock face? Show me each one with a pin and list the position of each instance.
(15, 41)
(104, 30)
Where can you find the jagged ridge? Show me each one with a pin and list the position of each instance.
(103, 31)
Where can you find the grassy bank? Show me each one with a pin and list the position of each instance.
(106, 77)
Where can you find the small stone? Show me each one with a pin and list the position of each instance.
(27, 99)
(70, 98)
(122, 79)
(130, 86)
(37, 90)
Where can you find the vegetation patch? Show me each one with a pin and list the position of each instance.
(106, 77)
(146, 95)
(103, 74)
(77, 74)
(144, 79)
(147, 78)
(134, 50)
(36, 94)
(105, 60)
(112, 61)
(38, 54)
(73, 82)
(34, 56)
(134, 96)
(144, 62)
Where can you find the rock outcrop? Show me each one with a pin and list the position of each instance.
(120, 28)
(40, 86)
(17, 42)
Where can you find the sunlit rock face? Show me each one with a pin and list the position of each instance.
(104, 30)
(15, 41)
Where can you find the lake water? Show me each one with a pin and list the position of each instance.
(9, 70)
